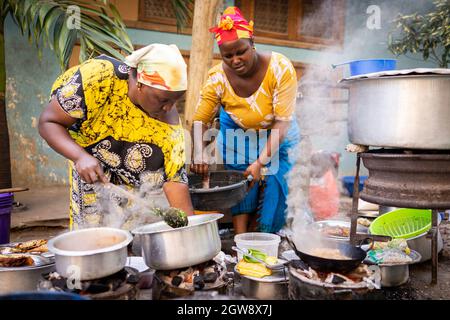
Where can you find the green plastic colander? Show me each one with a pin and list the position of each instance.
(402, 223)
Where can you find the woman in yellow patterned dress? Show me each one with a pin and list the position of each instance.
(255, 93)
(116, 121)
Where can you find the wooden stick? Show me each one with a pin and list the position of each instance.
(17, 189)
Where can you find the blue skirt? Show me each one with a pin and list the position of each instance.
(240, 149)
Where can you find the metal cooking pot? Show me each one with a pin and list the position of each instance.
(166, 248)
(90, 253)
(267, 288)
(422, 245)
(393, 275)
(20, 279)
(403, 108)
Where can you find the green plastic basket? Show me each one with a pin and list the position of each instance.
(402, 223)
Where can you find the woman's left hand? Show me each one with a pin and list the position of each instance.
(255, 170)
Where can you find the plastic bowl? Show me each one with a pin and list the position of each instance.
(265, 242)
(373, 65)
(365, 66)
(348, 182)
(402, 223)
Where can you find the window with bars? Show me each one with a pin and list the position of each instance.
(160, 13)
(295, 23)
(299, 23)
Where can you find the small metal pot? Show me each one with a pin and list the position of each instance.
(90, 253)
(20, 279)
(267, 288)
(166, 248)
(394, 275)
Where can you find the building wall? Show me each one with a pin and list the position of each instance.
(29, 80)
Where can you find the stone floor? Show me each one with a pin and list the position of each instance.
(43, 213)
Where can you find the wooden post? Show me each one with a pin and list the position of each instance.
(205, 12)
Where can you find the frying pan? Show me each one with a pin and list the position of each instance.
(355, 257)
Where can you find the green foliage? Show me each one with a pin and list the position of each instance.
(428, 34)
(100, 28)
(183, 12)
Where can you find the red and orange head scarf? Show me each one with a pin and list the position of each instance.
(232, 26)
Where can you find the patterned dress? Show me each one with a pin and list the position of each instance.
(132, 147)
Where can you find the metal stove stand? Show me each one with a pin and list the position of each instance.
(357, 238)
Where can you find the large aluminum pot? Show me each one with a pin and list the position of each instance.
(21, 279)
(90, 253)
(404, 109)
(166, 248)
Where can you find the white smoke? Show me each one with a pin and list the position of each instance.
(126, 208)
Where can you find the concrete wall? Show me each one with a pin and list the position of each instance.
(29, 80)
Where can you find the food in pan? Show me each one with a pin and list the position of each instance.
(31, 246)
(336, 231)
(328, 253)
(15, 260)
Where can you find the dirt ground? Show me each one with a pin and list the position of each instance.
(44, 214)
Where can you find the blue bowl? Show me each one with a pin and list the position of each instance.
(358, 67)
(348, 182)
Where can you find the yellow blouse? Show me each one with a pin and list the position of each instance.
(273, 100)
(96, 93)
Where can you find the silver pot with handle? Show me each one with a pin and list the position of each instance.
(26, 278)
(91, 253)
(400, 108)
(166, 248)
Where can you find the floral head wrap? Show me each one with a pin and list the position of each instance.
(232, 26)
(160, 66)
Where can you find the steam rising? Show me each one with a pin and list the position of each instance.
(130, 208)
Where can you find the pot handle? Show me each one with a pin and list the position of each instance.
(371, 243)
(339, 64)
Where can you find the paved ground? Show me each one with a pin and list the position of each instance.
(44, 214)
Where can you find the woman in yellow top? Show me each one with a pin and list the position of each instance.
(255, 94)
(116, 122)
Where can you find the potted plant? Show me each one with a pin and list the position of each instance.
(428, 34)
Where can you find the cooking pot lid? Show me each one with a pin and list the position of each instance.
(403, 72)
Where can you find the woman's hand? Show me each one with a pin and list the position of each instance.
(202, 168)
(255, 170)
(89, 168)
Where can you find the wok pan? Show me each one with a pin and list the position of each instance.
(355, 257)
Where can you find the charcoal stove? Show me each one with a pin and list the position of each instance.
(188, 282)
(123, 285)
(313, 285)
